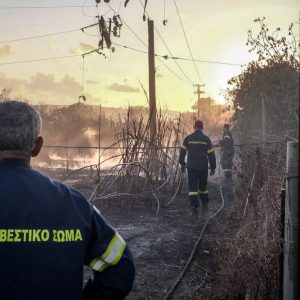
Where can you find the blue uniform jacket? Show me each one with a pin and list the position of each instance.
(199, 151)
(48, 231)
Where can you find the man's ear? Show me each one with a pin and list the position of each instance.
(37, 147)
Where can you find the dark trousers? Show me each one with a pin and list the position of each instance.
(226, 162)
(197, 186)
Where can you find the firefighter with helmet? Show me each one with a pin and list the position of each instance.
(200, 152)
(227, 152)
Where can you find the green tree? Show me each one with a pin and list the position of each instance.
(274, 79)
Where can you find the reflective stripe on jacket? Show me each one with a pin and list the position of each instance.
(48, 231)
(199, 151)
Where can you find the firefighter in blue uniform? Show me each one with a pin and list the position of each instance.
(199, 152)
(227, 152)
(48, 230)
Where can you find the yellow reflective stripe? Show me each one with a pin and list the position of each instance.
(98, 265)
(203, 192)
(197, 142)
(193, 193)
(114, 250)
(119, 254)
(210, 150)
(110, 247)
(183, 147)
(112, 254)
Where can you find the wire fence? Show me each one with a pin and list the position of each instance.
(250, 260)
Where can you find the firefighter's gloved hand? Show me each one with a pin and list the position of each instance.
(212, 172)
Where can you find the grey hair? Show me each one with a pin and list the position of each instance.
(20, 125)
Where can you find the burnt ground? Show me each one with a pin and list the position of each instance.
(162, 244)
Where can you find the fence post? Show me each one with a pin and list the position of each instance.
(291, 226)
(281, 258)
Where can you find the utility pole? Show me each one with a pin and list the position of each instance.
(291, 226)
(199, 92)
(152, 96)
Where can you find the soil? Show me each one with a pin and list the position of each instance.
(162, 244)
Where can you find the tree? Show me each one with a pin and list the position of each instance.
(273, 78)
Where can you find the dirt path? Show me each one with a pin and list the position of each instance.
(162, 244)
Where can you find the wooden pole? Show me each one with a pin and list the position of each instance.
(152, 96)
(198, 92)
(291, 226)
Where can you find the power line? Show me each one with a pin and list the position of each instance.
(173, 72)
(147, 45)
(131, 48)
(187, 42)
(126, 47)
(189, 80)
(184, 74)
(208, 61)
(44, 7)
(180, 58)
(39, 36)
(40, 59)
(128, 27)
(163, 56)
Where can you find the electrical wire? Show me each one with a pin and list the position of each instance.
(119, 45)
(39, 36)
(173, 72)
(39, 59)
(132, 31)
(43, 7)
(146, 52)
(131, 48)
(146, 45)
(179, 58)
(184, 74)
(187, 42)
(162, 56)
(52, 58)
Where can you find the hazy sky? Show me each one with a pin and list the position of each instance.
(216, 31)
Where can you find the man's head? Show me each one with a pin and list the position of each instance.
(198, 125)
(20, 126)
(226, 128)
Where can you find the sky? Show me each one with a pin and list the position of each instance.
(216, 31)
